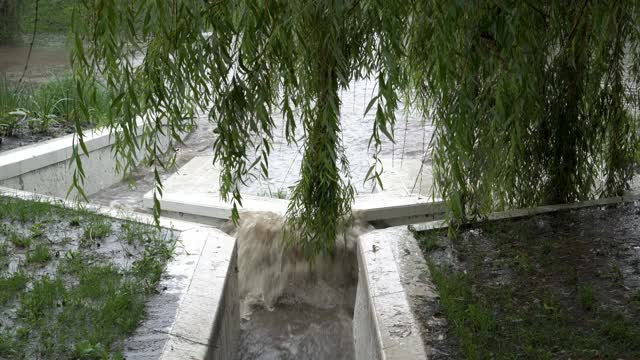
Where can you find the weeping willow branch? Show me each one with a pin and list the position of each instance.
(527, 101)
(33, 39)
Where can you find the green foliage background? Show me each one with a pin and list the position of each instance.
(9, 25)
(528, 98)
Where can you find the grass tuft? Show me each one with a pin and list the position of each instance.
(11, 286)
(97, 228)
(40, 255)
(587, 297)
(19, 241)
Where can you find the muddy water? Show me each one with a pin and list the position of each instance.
(49, 56)
(289, 309)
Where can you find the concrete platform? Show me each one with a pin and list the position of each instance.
(192, 194)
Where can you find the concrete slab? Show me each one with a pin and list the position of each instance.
(407, 177)
(193, 191)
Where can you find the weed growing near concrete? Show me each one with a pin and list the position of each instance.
(97, 228)
(19, 240)
(39, 255)
(281, 193)
(550, 286)
(99, 272)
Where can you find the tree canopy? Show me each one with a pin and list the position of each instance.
(529, 99)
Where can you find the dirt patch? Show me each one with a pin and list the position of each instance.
(560, 285)
(27, 136)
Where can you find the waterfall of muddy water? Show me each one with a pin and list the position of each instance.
(289, 308)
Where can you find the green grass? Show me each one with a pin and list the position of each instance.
(429, 241)
(530, 316)
(39, 255)
(86, 304)
(138, 234)
(539, 332)
(51, 103)
(19, 241)
(23, 211)
(37, 230)
(97, 228)
(12, 97)
(11, 286)
(587, 297)
(472, 320)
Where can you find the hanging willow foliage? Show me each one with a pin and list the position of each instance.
(531, 99)
(528, 98)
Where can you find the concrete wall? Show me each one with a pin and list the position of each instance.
(384, 326)
(366, 336)
(45, 168)
(207, 323)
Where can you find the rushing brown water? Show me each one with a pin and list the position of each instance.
(289, 308)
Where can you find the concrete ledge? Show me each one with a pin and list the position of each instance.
(28, 158)
(393, 210)
(517, 213)
(207, 322)
(384, 325)
(45, 167)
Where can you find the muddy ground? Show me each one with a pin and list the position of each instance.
(558, 286)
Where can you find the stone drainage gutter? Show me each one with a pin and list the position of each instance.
(46, 168)
(196, 315)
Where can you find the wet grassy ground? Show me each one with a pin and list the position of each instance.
(73, 284)
(554, 286)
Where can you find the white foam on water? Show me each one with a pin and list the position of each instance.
(290, 308)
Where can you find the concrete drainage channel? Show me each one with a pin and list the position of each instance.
(198, 314)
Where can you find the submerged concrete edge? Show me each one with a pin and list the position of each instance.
(544, 209)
